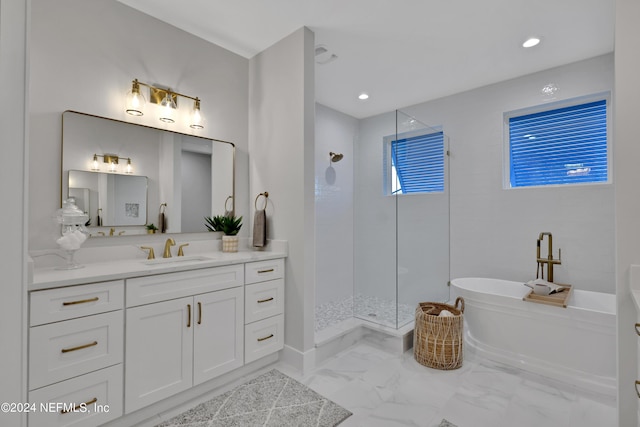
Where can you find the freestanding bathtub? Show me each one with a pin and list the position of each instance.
(575, 345)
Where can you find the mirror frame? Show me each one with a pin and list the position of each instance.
(233, 152)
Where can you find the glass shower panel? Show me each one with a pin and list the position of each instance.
(375, 297)
(422, 215)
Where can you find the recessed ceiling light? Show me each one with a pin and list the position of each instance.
(363, 96)
(531, 42)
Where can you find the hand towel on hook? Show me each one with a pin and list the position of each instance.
(260, 223)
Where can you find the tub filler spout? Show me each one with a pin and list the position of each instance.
(549, 259)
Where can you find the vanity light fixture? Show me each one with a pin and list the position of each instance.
(112, 160)
(166, 99)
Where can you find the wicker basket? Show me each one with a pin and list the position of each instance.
(437, 340)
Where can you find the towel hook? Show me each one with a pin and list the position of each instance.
(163, 205)
(266, 197)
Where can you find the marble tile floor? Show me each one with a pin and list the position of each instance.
(387, 390)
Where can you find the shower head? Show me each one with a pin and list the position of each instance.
(335, 157)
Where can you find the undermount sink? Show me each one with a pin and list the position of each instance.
(176, 260)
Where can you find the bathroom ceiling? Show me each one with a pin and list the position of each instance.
(403, 52)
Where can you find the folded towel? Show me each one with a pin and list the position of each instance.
(260, 228)
(162, 223)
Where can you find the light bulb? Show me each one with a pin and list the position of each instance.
(197, 122)
(135, 101)
(95, 166)
(112, 167)
(168, 105)
(129, 167)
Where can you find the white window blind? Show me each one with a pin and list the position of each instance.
(418, 162)
(561, 146)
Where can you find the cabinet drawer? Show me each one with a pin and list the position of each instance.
(263, 337)
(262, 300)
(264, 270)
(74, 347)
(163, 287)
(54, 305)
(100, 392)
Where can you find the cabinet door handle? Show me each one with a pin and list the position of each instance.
(265, 271)
(637, 391)
(637, 330)
(199, 313)
(75, 408)
(82, 301)
(265, 338)
(260, 301)
(188, 315)
(80, 347)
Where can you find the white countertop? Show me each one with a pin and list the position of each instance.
(100, 271)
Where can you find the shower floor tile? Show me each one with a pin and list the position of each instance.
(373, 309)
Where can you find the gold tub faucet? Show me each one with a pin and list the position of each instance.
(549, 259)
(167, 247)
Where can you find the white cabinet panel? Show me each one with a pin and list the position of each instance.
(263, 337)
(54, 305)
(159, 350)
(150, 289)
(264, 300)
(218, 343)
(261, 271)
(74, 347)
(86, 401)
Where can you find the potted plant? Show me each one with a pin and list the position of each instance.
(151, 229)
(229, 226)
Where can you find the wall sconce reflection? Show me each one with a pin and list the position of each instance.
(166, 99)
(112, 162)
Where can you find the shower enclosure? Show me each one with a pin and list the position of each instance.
(382, 219)
(401, 218)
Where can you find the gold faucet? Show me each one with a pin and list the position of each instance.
(549, 259)
(167, 247)
(180, 251)
(151, 254)
(113, 230)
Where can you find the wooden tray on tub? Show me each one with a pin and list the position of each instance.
(559, 299)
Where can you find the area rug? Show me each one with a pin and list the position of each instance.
(272, 399)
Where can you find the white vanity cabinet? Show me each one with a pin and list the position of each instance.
(76, 354)
(182, 329)
(264, 308)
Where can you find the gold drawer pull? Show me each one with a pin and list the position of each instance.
(260, 301)
(637, 392)
(637, 330)
(82, 301)
(265, 338)
(265, 271)
(188, 315)
(80, 347)
(75, 408)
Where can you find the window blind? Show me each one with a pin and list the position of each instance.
(561, 146)
(419, 163)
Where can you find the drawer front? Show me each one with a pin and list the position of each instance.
(264, 270)
(100, 392)
(62, 350)
(163, 287)
(262, 300)
(263, 337)
(54, 305)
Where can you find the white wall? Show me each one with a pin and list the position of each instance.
(14, 67)
(281, 143)
(627, 202)
(335, 132)
(494, 230)
(84, 56)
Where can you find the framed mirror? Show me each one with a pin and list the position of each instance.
(125, 175)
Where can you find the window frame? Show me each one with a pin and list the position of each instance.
(602, 96)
